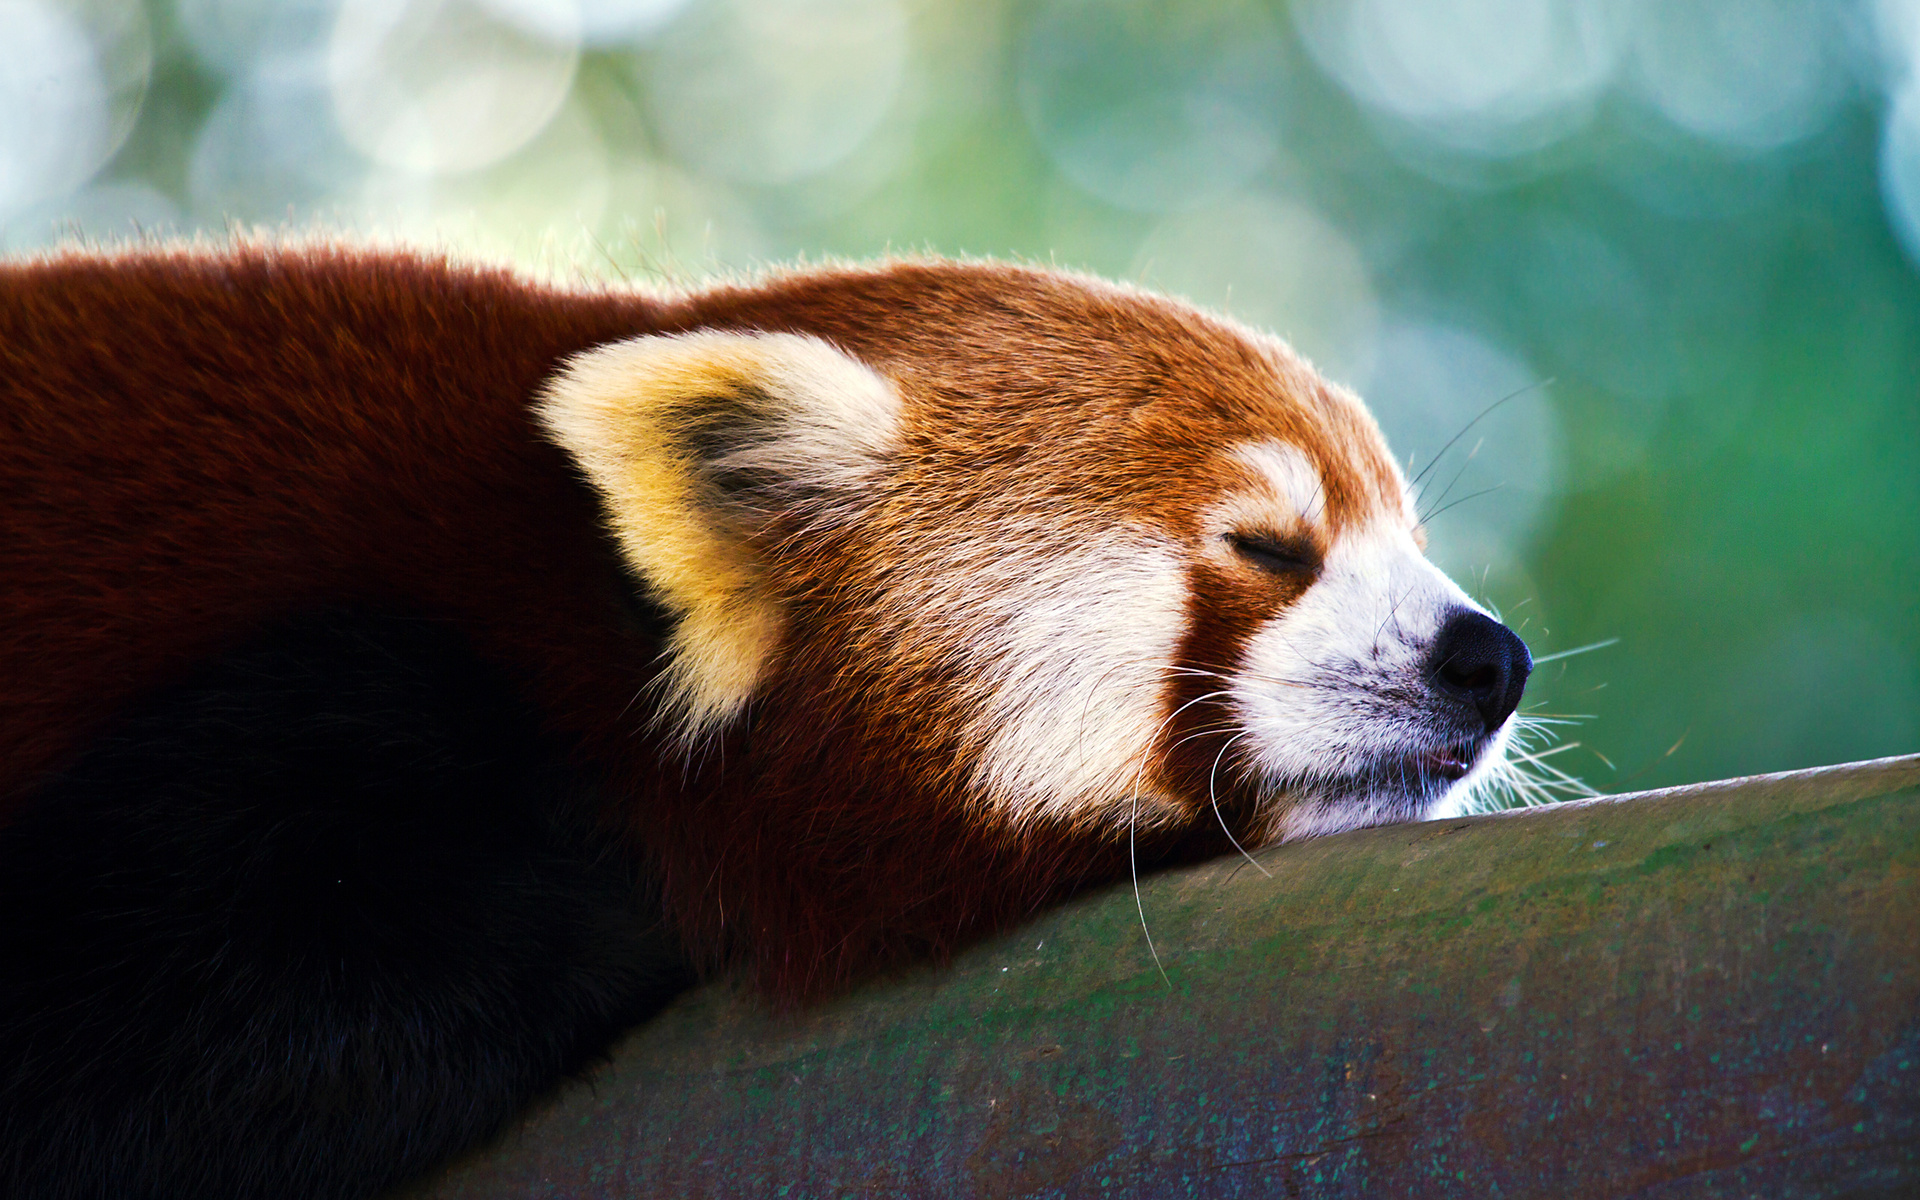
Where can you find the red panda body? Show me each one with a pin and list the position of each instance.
(639, 631)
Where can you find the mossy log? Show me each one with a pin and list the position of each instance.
(1709, 991)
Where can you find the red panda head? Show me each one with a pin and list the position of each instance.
(1051, 552)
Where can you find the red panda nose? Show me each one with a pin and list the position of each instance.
(1477, 659)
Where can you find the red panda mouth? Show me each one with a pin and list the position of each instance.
(1424, 771)
(1449, 764)
(1416, 774)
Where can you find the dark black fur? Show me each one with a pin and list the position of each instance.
(326, 912)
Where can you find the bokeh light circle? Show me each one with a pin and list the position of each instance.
(1276, 266)
(270, 151)
(1154, 105)
(1752, 76)
(1894, 33)
(72, 77)
(775, 91)
(439, 86)
(598, 22)
(235, 37)
(1479, 432)
(533, 208)
(1490, 77)
(1900, 168)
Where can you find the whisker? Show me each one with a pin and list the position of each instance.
(1558, 654)
(1209, 731)
(1462, 500)
(1133, 827)
(1213, 798)
(1139, 905)
(1467, 462)
(1484, 413)
(1538, 759)
(1523, 778)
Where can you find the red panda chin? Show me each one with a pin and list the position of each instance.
(809, 624)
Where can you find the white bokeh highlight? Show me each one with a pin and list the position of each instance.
(1894, 35)
(233, 37)
(772, 92)
(532, 209)
(1486, 77)
(1488, 492)
(442, 86)
(72, 77)
(597, 22)
(270, 151)
(1750, 76)
(1900, 168)
(1276, 266)
(1898, 27)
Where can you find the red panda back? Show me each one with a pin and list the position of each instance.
(197, 443)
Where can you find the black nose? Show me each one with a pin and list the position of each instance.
(1481, 661)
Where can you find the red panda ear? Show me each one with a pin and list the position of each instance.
(694, 442)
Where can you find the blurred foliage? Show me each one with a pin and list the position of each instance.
(1657, 260)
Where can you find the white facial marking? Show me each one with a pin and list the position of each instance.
(1072, 665)
(1332, 691)
(1293, 481)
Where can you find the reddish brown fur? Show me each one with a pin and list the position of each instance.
(196, 443)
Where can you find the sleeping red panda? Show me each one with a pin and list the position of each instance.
(414, 673)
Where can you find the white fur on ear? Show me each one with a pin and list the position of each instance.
(693, 441)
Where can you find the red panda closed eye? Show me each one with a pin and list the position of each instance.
(412, 671)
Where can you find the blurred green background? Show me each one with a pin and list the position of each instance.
(1680, 235)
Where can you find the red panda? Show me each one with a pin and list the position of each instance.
(414, 674)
